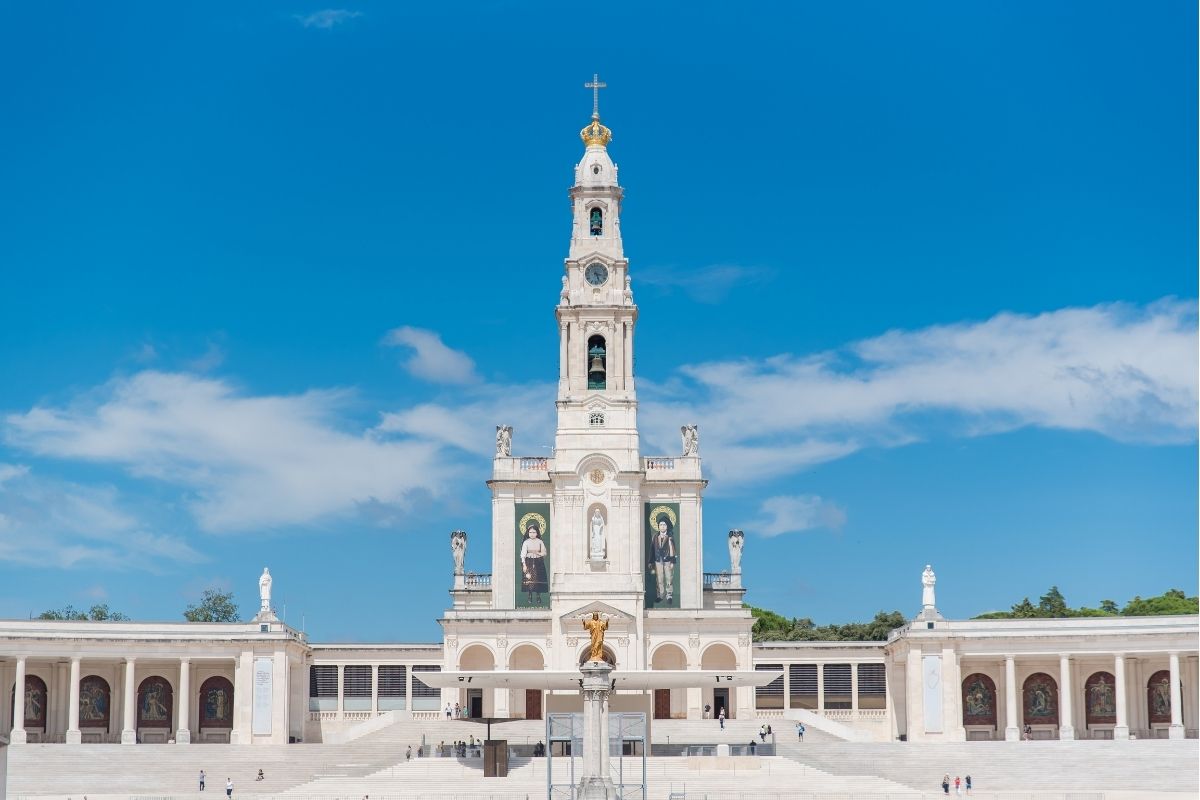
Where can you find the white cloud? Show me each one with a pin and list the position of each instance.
(245, 461)
(431, 359)
(796, 513)
(327, 18)
(1126, 372)
(710, 284)
(50, 522)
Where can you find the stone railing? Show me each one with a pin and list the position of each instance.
(478, 580)
(534, 464)
(659, 464)
(718, 580)
(317, 716)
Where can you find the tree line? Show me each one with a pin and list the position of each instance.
(214, 606)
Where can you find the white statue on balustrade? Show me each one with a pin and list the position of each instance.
(596, 544)
(691, 439)
(737, 541)
(458, 549)
(928, 579)
(504, 440)
(264, 595)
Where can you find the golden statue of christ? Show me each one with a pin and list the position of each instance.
(596, 627)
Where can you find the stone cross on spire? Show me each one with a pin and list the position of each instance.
(595, 86)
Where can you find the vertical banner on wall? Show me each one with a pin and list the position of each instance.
(931, 679)
(261, 724)
(533, 555)
(662, 555)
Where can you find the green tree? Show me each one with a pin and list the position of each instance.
(1053, 604)
(769, 626)
(1172, 601)
(1109, 607)
(214, 606)
(1024, 610)
(97, 613)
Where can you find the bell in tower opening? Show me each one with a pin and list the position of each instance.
(597, 222)
(596, 363)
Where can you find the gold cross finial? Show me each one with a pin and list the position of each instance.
(595, 86)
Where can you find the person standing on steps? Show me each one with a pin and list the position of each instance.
(202, 780)
(229, 787)
(946, 784)
(762, 733)
(957, 786)
(800, 731)
(408, 753)
(720, 716)
(968, 784)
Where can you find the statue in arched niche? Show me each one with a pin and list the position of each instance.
(597, 544)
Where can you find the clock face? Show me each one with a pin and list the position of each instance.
(596, 274)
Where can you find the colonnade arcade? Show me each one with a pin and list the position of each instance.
(1108, 696)
(131, 700)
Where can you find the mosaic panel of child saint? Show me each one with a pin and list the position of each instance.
(662, 580)
(534, 582)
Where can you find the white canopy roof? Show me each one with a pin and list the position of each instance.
(571, 679)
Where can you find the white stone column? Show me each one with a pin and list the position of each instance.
(1121, 730)
(73, 736)
(853, 688)
(821, 687)
(129, 706)
(1066, 724)
(18, 735)
(1176, 729)
(243, 698)
(341, 706)
(1012, 731)
(374, 689)
(183, 732)
(787, 686)
(408, 679)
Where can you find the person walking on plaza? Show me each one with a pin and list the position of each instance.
(721, 717)
(229, 787)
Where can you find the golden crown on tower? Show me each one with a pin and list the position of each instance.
(595, 133)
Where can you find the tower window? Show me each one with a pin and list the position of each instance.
(597, 363)
(596, 222)
(596, 419)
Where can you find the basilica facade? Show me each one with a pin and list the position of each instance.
(598, 526)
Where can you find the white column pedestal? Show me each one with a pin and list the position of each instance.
(17, 735)
(595, 783)
(1012, 732)
(129, 706)
(1121, 729)
(183, 734)
(1066, 727)
(1176, 730)
(73, 735)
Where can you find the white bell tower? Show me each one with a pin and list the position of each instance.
(597, 404)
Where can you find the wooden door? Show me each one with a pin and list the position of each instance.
(662, 703)
(533, 704)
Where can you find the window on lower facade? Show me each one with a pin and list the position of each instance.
(872, 686)
(393, 680)
(837, 686)
(322, 687)
(425, 698)
(771, 695)
(356, 688)
(803, 685)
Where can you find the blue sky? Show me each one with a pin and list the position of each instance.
(924, 274)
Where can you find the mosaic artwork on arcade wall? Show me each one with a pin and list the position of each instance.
(1041, 700)
(533, 555)
(662, 555)
(216, 703)
(154, 703)
(1158, 696)
(1100, 699)
(35, 702)
(979, 700)
(94, 703)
